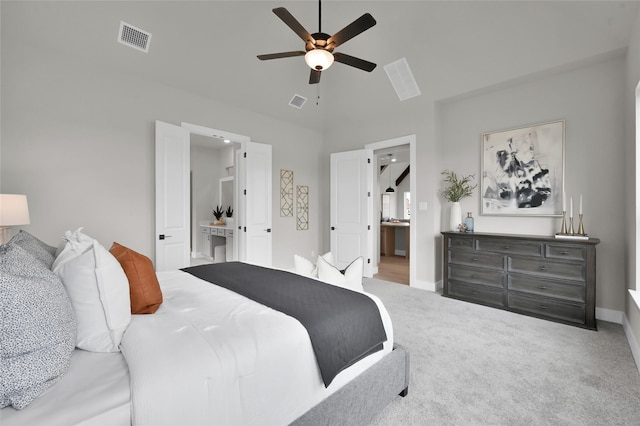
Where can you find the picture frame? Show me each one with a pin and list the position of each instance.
(522, 171)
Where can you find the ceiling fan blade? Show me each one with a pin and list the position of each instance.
(354, 62)
(314, 77)
(281, 55)
(358, 26)
(293, 23)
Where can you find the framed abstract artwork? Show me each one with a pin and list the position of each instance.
(523, 171)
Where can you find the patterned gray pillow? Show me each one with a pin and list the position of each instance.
(41, 251)
(38, 327)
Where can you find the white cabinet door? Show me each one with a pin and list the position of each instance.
(255, 208)
(351, 208)
(172, 197)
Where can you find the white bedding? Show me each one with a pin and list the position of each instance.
(207, 356)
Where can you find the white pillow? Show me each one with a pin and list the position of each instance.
(73, 245)
(351, 279)
(99, 291)
(303, 266)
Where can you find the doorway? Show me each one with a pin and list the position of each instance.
(394, 185)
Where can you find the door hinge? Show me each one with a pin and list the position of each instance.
(369, 194)
(368, 160)
(368, 260)
(245, 229)
(244, 155)
(333, 228)
(245, 192)
(368, 227)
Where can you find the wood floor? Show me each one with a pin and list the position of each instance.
(394, 269)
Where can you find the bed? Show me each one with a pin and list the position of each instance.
(211, 355)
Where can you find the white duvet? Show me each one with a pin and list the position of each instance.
(211, 356)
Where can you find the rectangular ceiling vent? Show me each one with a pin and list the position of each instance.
(297, 101)
(402, 79)
(134, 37)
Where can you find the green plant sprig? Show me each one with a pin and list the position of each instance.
(218, 212)
(457, 188)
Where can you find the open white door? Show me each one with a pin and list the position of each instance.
(172, 196)
(255, 184)
(351, 208)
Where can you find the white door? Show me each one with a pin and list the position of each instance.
(172, 197)
(352, 208)
(255, 184)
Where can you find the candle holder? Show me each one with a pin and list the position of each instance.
(581, 226)
(571, 231)
(563, 228)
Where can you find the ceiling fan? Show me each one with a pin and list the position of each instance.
(319, 46)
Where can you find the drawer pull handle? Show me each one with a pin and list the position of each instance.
(506, 248)
(460, 243)
(564, 252)
(543, 307)
(474, 276)
(543, 268)
(543, 287)
(475, 259)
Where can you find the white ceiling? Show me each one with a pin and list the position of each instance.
(210, 47)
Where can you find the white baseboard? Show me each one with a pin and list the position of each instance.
(425, 285)
(633, 343)
(609, 315)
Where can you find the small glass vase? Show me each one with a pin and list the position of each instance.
(469, 222)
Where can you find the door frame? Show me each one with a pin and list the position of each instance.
(222, 134)
(389, 143)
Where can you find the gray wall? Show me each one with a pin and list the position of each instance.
(588, 96)
(78, 139)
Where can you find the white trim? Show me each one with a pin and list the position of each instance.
(633, 343)
(635, 295)
(214, 133)
(424, 285)
(609, 315)
(411, 140)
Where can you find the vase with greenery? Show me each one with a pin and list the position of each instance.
(229, 212)
(456, 188)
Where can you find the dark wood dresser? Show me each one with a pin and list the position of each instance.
(545, 277)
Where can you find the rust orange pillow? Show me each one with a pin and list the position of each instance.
(144, 288)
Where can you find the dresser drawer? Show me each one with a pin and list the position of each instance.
(477, 276)
(479, 294)
(529, 248)
(480, 260)
(546, 307)
(561, 251)
(547, 268)
(542, 287)
(460, 243)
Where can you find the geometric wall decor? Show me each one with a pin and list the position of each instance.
(302, 208)
(286, 193)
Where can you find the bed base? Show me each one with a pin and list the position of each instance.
(362, 399)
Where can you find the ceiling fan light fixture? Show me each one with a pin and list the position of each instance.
(319, 59)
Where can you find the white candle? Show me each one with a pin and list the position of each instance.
(571, 207)
(580, 204)
(564, 202)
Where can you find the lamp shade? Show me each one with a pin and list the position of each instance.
(319, 59)
(14, 210)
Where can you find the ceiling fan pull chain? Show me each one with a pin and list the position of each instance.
(319, 16)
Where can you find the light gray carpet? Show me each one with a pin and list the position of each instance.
(474, 365)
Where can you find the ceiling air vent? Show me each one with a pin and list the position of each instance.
(134, 37)
(402, 79)
(297, 101)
